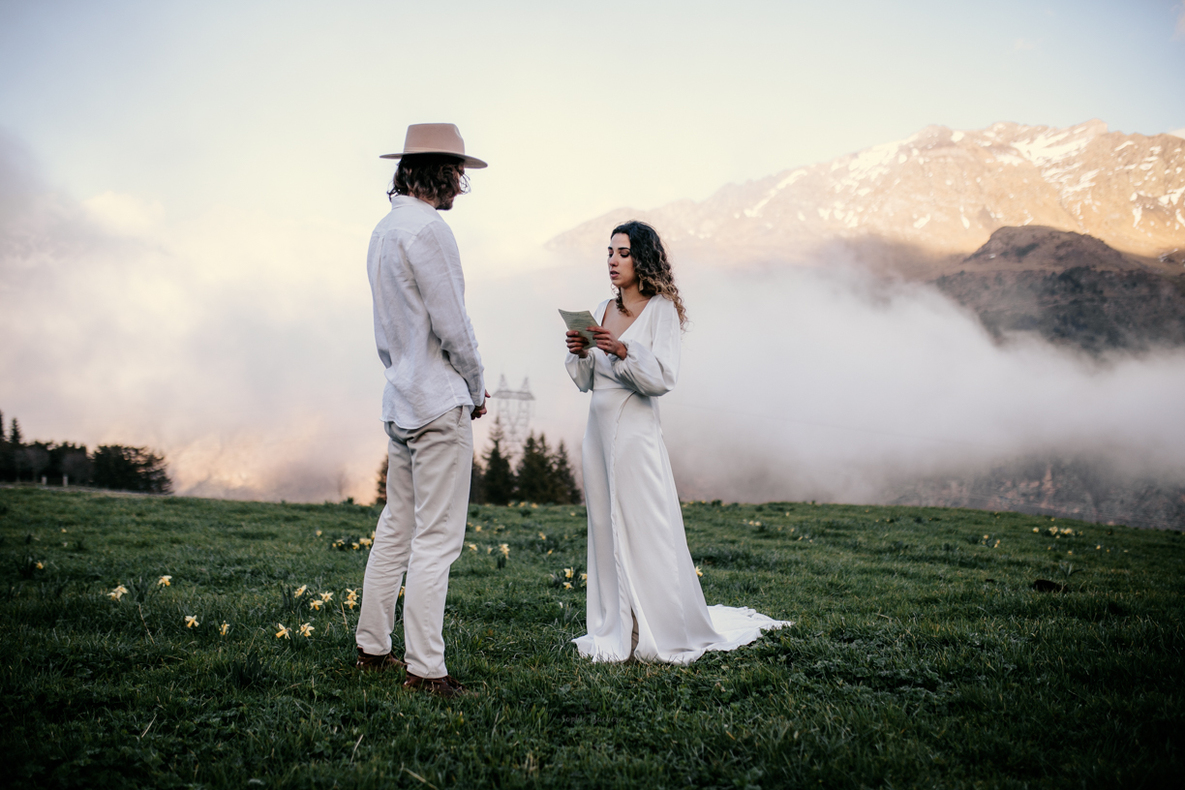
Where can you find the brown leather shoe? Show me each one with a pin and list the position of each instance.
(443, 687)
(369, 663)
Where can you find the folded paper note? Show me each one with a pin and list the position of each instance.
(579, 322)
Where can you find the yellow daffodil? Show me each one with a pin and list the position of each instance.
(477, 528)
(164, 581)
(63, 529)
(572, 514)
(542, 536)
(318, 533)
(224, 628)
(40, 566)
(534, 505)
(117, 593)
(316, 604)
(354, 546)
(306, 630)
(1036, 529)
(350, 602)
(698, 572)
(191, 621)
(472, 546)
(365, 541)
(326, 597)
(549, 551)
(1096, 548)
(567, 585)
(283, 633)
(505, 549)
(584, 577)
(490, 550)
(351, 594)
(300, 590)
(401, 589)
(568, 573)
(985, 537)
(757, 523)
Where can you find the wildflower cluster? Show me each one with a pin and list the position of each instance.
(355, 544)
(566, 578)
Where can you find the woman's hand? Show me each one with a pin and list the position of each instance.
(607, 342)
(577, 344)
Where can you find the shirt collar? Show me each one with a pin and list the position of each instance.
(407, 200)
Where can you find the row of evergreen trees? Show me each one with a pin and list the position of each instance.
(542, 475)
(110, 466)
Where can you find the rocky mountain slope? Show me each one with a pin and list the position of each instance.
(1087, 489)
(920, 204)
(1071, 289)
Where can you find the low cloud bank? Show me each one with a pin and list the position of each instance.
(823, 383)
(242, 348)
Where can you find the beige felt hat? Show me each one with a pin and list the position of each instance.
(435, 138)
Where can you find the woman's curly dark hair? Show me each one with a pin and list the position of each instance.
(433, 178)
(651, 266)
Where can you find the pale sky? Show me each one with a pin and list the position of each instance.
(183, 256)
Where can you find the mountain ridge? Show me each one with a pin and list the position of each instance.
(928, 201)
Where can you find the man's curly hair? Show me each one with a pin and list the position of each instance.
(651, 266)
(433, 178)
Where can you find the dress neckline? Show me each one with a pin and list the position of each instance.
(641, 313)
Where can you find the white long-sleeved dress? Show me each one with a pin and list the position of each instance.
(637, 551)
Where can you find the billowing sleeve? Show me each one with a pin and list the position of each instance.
(581, 370)
(653, 369)
(436, 263)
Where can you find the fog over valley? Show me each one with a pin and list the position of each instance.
(816, 380)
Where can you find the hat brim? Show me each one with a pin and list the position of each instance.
(470, 161)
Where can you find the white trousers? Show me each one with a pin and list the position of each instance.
(420, 532)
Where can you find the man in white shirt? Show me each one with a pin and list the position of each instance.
(434, 389)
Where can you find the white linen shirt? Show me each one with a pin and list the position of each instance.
(424, 337)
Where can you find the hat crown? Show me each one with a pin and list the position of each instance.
(434, 138)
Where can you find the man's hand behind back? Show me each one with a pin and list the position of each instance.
(478, 411)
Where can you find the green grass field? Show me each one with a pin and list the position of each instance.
(920, 657)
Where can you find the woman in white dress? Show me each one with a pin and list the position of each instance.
(644, 598)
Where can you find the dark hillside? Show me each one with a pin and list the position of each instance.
(1091, 490)
(1070, 289)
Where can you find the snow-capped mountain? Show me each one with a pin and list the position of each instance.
(938, 195)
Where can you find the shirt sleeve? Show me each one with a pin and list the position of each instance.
(436, 265)
(653, 370)
(581, 370)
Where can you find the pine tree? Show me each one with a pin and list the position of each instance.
(131, 469)
(498, 483)
(380, 483)
(14, 437)
(7, 462)
(477, 481)
(534, 473)
(564, 481)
